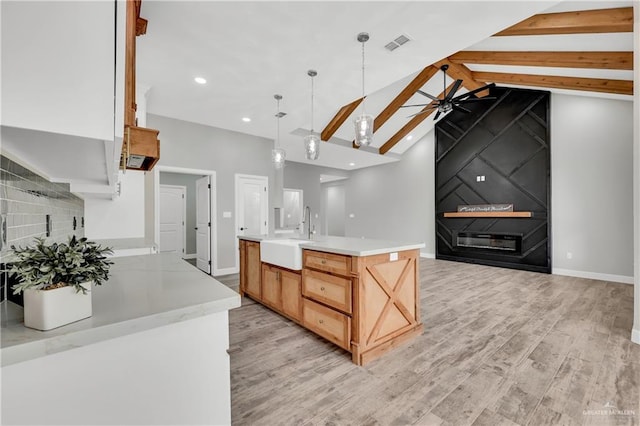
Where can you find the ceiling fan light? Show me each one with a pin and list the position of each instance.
(364, 130)
(278, 156)
(312, 147)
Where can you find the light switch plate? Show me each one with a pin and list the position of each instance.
(393, 256)
(226, 215)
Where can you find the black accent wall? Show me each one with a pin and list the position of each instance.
(506, 141)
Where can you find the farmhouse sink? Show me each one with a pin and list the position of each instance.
(282, 252)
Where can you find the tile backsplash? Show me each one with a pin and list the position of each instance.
(31, 206)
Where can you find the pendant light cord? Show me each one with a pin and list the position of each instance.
(311, 104)
(278, 125)
(363, 111)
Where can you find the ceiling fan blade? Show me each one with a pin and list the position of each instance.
(421, 112)
(453, 90)
(433, 98)
(437, 115)
(486, 98)
(474, 91)
(414, 105)
(458, 107)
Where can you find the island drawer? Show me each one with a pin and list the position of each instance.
(326, 322)
(329, 262)
(331, 290)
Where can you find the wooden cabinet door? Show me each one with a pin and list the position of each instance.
(271, 292)
(252, 265)
(291, 295)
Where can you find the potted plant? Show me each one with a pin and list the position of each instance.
(56, 280)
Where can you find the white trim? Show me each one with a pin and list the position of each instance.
(183, 189)
(593, 275)
(635, 336)
(236, 245)
(428, 255)
(212, 207)
(190, 256)
(226, 271)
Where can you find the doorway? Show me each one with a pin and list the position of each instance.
(334, 199)
(205, 203)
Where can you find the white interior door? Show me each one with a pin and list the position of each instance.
(203, 224)
(252, 200)
(172, 216)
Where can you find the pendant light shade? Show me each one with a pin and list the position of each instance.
(278, 155)
(364, 122)
(312, 147)
(312, 141)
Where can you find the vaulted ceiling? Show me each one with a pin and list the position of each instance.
(248, 51)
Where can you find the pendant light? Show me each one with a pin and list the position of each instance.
(312, 141)
(364, 122)
(278, 154)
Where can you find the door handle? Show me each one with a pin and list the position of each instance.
(244, 229)
(196, 228)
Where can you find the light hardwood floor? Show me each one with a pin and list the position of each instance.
(500, 347)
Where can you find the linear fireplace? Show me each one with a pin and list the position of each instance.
(499, 242)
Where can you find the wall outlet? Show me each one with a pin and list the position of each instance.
(226, 215)
(569, 255)
(351, 215)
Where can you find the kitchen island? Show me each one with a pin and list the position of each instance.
(361, 294)
(153, 352)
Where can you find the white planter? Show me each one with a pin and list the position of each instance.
(47, 309)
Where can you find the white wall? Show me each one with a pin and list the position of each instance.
(395, 201)
(307, 177)
(195, 146)
(122, 217)
(592, 187)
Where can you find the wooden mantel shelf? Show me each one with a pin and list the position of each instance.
(488, 214)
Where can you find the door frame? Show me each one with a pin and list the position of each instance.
(237, 178)
(213, 207)
(184, 217)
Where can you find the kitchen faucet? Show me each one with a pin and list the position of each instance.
(307, 216)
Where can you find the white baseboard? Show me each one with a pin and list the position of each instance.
(225, 271)
(190, 256)
(593, 275)
(428, 255)
(635, 335)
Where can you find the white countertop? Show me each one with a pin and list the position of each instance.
(143, 292)
(343, 245)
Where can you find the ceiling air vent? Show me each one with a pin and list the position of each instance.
(281, 114)
(397, 42)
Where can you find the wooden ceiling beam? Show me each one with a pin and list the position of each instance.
(601, 60)
(411, 88)
(412, 124)
(339, 119)
(618, 20)
(619, 87)
(461, 72)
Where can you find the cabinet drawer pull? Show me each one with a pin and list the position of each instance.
(324, 262)
(321, 321)
(321, 288)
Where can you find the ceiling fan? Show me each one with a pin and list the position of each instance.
(449, 102)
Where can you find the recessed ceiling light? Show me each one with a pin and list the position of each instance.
(200, 80)
(352, 164)
(246, 119)
(409, 137)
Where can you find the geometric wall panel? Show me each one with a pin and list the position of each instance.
(497, 154)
